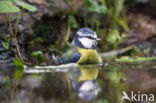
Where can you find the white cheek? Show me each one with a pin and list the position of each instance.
(95, 35)
(86, 42)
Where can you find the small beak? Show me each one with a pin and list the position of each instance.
(98, 39)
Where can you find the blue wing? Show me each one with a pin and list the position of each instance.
(73, 59)
(71, 56)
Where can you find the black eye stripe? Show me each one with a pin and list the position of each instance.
(90, 37)
(81, 36)
(87, 37)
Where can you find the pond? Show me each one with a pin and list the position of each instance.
(111, 83)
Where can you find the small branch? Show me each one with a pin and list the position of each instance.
(15, 36)
(36, 71)
(18, 49)
(10, 25)
(47, 69)
(116, 52)
(69, 5)
(68, 33)
(14, 33)
(70, 65)
(16, 26)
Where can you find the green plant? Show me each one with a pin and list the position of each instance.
(19, 68)
(116, 14)
(98, 14)
(6, 42)
(135, 59)
(8, 7)
(39, 56)
(63, 40)
(72, 24)
(13, 6)
(110, 14)
(19, 71)
(114, 38)
(72, 21)
(96, 7)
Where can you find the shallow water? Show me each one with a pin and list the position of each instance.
(87, 83)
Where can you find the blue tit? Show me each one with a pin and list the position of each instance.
(83, 50)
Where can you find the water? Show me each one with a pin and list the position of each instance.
(87, 83)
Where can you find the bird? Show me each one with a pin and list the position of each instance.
(83, 49)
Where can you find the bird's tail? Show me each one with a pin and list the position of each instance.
(57, 60)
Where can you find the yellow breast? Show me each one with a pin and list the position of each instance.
(89, 56)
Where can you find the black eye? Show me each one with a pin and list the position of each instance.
(90, 37)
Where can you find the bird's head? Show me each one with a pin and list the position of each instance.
(85, 38)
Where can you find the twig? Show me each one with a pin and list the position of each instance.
(36, 71)
(116, 52)
(69, 5)
(59, 68)
(16, 26)
(10, 25)
(68, 33)
(56, 67)
(14, 33)
(18, 50)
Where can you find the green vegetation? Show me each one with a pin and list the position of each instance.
(8, 6)
(19, 71)
(6, 42)
(109, 30)
(135, 59)
(95, 6)
(115, 39)
(34, 31)
(39, 57)
(107, 17)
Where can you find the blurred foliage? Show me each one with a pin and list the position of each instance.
(96, 7)
(25, 5)
(115, 22)
(63, 42)
(6, 42)
(106, 17)
(72, 21)
(39, 57)
(115, 76)
(19, 68)
(102, 101)
(8, 6)
(115, 38)
(142, 52)
(137, 1)
(135, 59)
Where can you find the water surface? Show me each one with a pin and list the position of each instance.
(86, 83)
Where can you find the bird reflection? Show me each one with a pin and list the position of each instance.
(84, 82)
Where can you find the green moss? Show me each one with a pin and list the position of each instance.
(134, 59)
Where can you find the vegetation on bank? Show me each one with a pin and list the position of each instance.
(108, 18)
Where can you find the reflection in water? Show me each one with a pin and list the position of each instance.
(84, 82)
(92, 84)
